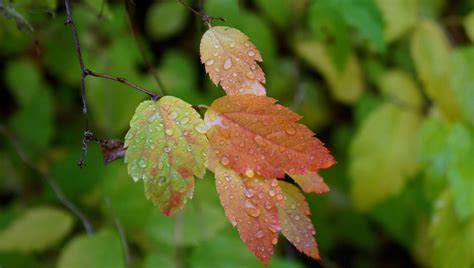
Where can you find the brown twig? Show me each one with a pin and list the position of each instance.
(50, 180)
(87, 134)
(204, 17)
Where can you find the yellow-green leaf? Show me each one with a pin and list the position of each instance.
(430, 51)
(469, 25)
(399, 87)
(36, 230)
(100, 250)
(346, 85)
(383, 154)
(166, 147)
(399, 17)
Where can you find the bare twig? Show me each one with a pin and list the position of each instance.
(86, 138)
(50, 180)
(141, 48)
(204, 17)
(121, 232)
(124, 81)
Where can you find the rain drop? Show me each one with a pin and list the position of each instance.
(251, 210)
(248, 193)
(210, 62)
(249, 173)
(227, 64)
(250, 75)
(169, 131)
(271, 193)
(259, 233)
(225, 161)
(167, 149)
(290, 130)
(142, 163)
(274, 241)
(184, 120)
(274, 183)
(173, 115)
(231, 44)
(251, 53)
(260, 141)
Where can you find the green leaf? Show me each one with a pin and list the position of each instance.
(430, 51)
(383, 154)
(462, 80)
(278, 11)
(453, 239)
(329, 26)
(461, 170)
(398, 87)
(432, 154)
(23, 89)
(99, 250)
(35, 115)
(364, 16)
(346, 85)
(399, 17)
(36, 230)
(201, 220)
(469, 25)
(165, 148)
(164, 19)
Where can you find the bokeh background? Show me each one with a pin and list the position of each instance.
(388, 85)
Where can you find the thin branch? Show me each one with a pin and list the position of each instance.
(50, 180)
(121, 232)
(204, 17)
(84, 73)
(124, 81)
(141, 48)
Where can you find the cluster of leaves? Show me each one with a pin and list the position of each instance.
(246, 139)
(397, 114)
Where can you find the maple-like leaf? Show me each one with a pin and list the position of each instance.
(295, 223)
(251, 205)
(253, 135)
(311, 182)
(166, 147)
(230, 59)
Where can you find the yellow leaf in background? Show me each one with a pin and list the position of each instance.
(399, 17)
(399, 87)
(383, 155)
(346, 86)
(430, 51)
(230, 60)
(469, 25)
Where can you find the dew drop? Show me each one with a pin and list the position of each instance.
(248, 193)
(260, 195)
(233, 222)
(189, 148)
(274, 228)
(167, 149)
(201, 128)
(169, 131)
(210, 62)
(225, 161)
(297, 217)
(260, 141)
(274, 241)
(271, 193)
(250, 75)
(279, 197)
(231, 44)
(290, 130)
(142, 163)
(184, 120)
(173, 115)
(227, 63)
(251, 53)
(251, 210)
(259, 233)
(241, 145)
(274, 183)
(249, 173)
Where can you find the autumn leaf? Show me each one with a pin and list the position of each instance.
(165, 148)
(251, 205)
(295, 223)
(230, 60)
(252, 135)
(311, 182)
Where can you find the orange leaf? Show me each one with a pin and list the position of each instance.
(230, 59)
(253, 135)
(295, 223)
(311, 182)
(251, 205)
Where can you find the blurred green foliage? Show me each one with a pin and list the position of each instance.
(388, 85)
